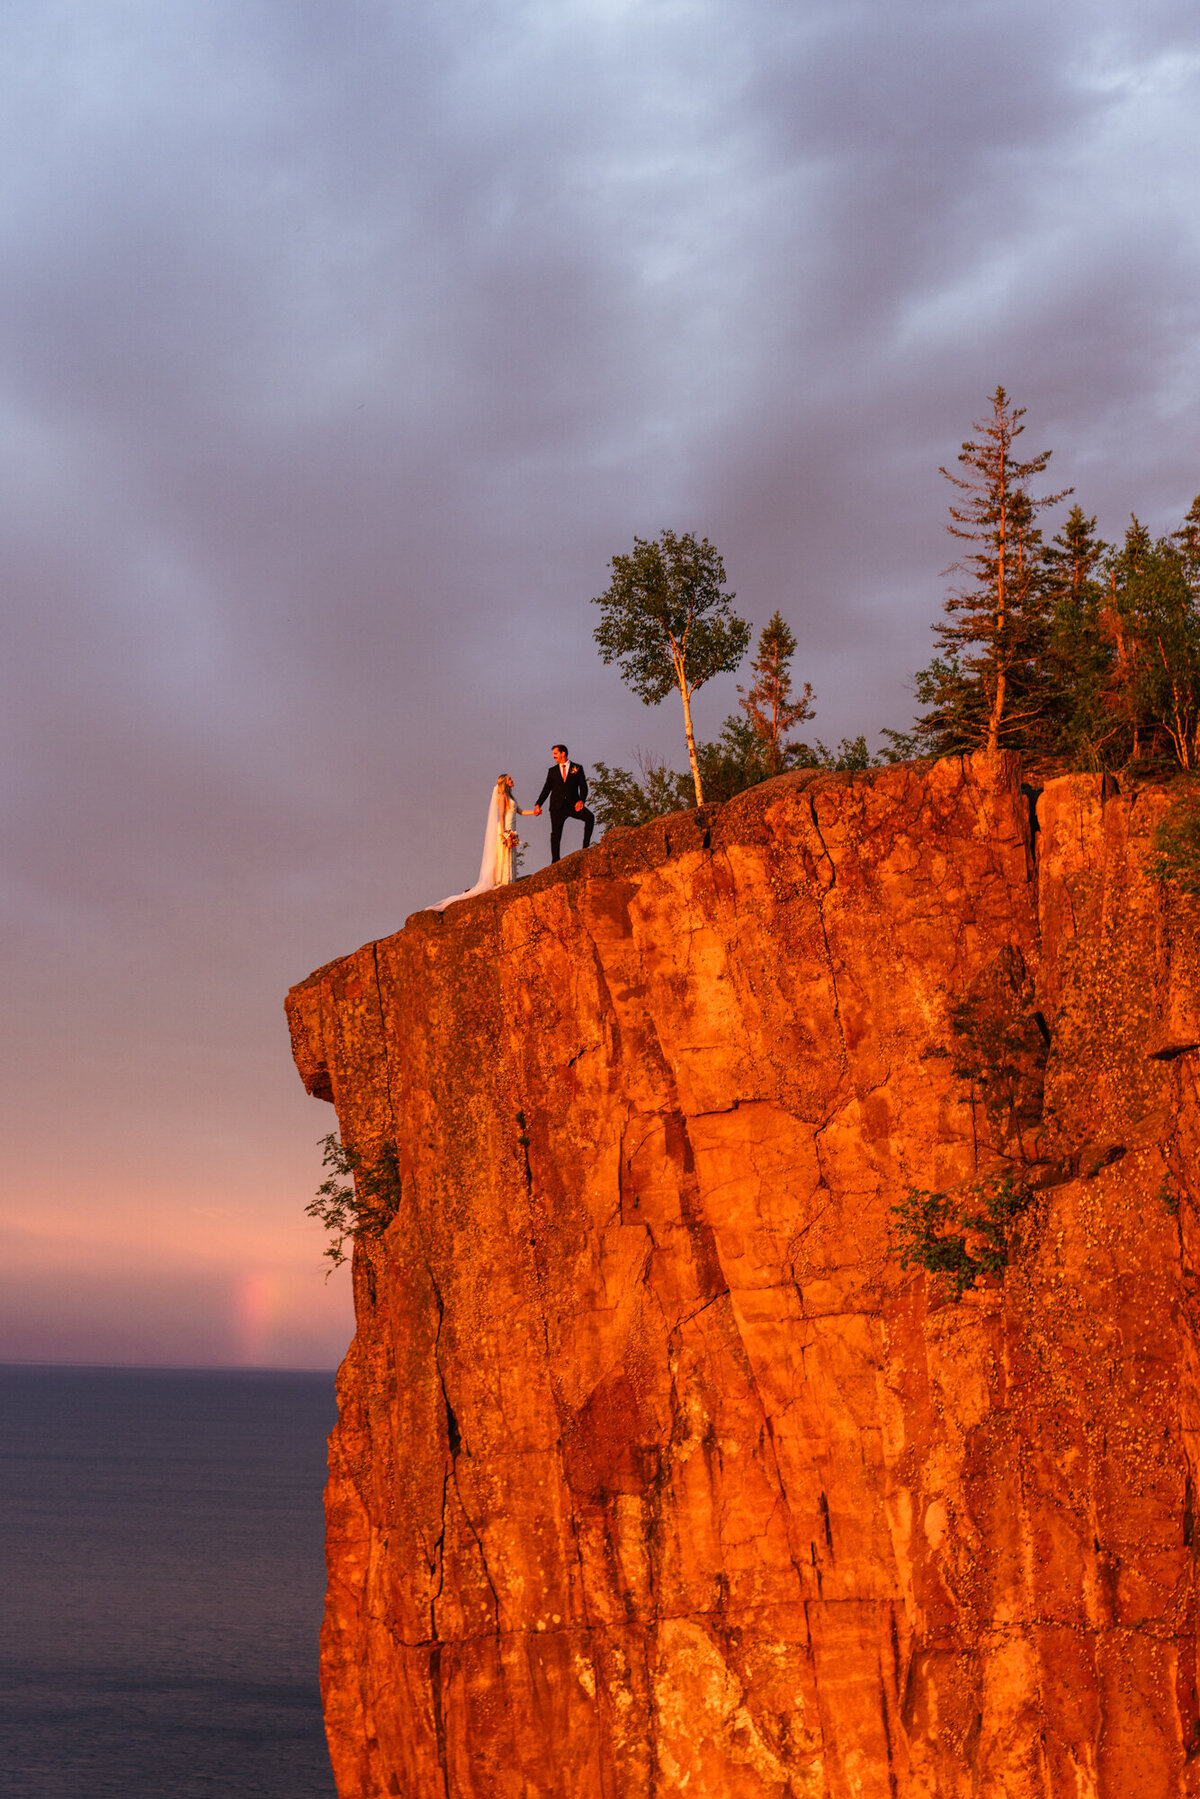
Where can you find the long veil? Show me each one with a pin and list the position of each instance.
(497, 815)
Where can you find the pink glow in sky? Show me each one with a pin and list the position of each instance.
(340, 347)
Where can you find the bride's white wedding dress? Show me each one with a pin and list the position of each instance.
(496, 868)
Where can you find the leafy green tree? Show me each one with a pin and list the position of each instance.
(752, 745)
(728, 765)
(982, 688)
(667, 624)
(360, 1199)
(953, 709)
(768, 704)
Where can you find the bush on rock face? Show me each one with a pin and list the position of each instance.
(360, 1198)
(961, 1235)
(1175, 854)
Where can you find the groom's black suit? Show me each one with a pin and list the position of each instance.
(562, 795)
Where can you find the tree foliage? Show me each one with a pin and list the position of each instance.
(618, 797)
(1075, 718)
(751, 746)
(359, 1199)
(1077, 653)
(771, 711)
(983, 688)
(962, 1236)
(667, 623)
(1175, 853)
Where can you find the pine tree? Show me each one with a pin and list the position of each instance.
(982, 689)
(1156, 627)
(768, 704)
(1188, 540)
(1075, 723)
(1126, 674)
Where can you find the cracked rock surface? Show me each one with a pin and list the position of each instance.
(655, 1473)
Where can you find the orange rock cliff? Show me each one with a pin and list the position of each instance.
(655, 1472)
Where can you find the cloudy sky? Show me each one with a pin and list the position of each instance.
(341, 344)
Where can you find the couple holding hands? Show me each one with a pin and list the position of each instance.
(565, 787)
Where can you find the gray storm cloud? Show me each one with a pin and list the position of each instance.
(341, 345)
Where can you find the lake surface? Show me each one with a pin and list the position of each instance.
(163, 1584)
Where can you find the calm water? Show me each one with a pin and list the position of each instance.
(162, 1584)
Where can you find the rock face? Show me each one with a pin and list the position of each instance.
(655, 1472)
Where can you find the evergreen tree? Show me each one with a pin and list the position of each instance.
(768, 704)
(1156, 629)
(983, 688)
(667, 624)
(1075, 722)
(1188, 540)
(1126, 676)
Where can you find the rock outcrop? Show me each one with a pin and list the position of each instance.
(655, 1472)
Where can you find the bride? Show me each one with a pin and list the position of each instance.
(499, 842)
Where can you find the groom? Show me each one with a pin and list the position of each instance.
(566, 788)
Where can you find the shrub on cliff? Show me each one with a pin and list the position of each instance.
(728, 766)
(1175, 853)
(360, 1198)
(1000, 1046)
(962, 1235)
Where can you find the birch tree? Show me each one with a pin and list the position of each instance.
(668, 625)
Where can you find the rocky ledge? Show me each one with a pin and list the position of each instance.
(655, 1471)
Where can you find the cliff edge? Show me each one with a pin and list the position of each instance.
(655, 1472)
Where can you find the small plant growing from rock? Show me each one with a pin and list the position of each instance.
(1000, 1045)
(1175, 845)
(960, 1235)
(360, 1198)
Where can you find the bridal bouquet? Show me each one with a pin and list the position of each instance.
(510, 839)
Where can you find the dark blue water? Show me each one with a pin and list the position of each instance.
(162, 1584)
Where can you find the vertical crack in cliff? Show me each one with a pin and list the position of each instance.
(1032, 795)
(829, 961)
(824, 856)
(475, 1532)
(824, 1505)
(893, 1784)
(437, 1565)
(454, 1444)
